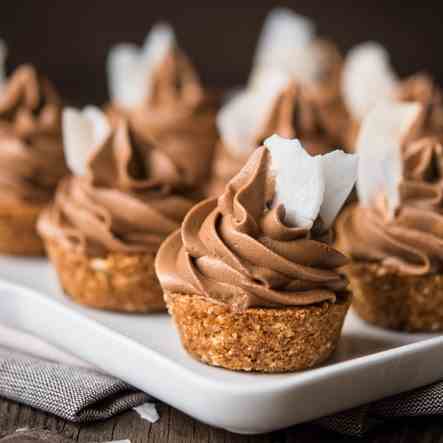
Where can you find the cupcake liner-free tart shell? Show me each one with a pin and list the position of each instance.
(18, 231)
(258, 339)
(387, 298)
(117, 282)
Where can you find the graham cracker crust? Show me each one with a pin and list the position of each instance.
(258, 339)
(386, 298)
(18, 232)
(117, 282)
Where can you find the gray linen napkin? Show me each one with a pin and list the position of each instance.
(424, 401)
(82, 395)
(77, 394)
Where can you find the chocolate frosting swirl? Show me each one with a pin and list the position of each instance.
(132, 197)
(412, 241)
(236, 251)
(31, 151)
(180, 116)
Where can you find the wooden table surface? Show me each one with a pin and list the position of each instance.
(175, 427)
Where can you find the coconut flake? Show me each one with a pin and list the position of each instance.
(131, 68)
(283, 32)
(368, 77)
(125, 75)
(379, 143)
(83, 131)
(147, 411)
(340, 174)
(286, 44)
(309, 186)
(3, 54)
(243, 117)
(300, 183)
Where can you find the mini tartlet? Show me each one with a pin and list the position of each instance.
(158, 90)
(251, 279)
(394, 235)
(109, 218)
(31, 157)
(293, 90)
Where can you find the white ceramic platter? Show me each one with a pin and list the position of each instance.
(145, 351)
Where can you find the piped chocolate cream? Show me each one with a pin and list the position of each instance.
(31, 151)
(245, 248)
(131, 197)
(168, 103)
(399, 222)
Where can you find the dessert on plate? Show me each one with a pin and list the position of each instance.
(251, 279)
(158, 90)
(107, 221)
(394, 235)
(31, 155)
(369, 78)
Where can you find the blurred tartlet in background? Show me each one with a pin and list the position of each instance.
(368, 78)
(293, 90)
(31, 155)
(109, 218)
(394, 234)
(158, 90)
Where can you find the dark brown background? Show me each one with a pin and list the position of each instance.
(69, 40)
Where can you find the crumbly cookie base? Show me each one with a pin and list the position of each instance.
(117, 282)
(258, 339)
(18, 232)
(391, 300)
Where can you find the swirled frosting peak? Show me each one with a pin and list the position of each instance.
(406, 236)
(31, 151)
(130, 198)
(158, 73)
(158, 90)
(243, 251)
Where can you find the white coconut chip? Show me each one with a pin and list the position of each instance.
(340, 174)
(245, 114)
(83, 131)
(368, 77)
(125, 75)
(3, 54)
(131, 68)
(148, 411)
(300, 183)
(309, 186)
(283, 33)
(379, 144)
(286, 44)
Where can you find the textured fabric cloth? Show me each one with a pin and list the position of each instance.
(73, 393)
(427, 400)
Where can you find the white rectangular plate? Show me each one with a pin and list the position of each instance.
(144, 350)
